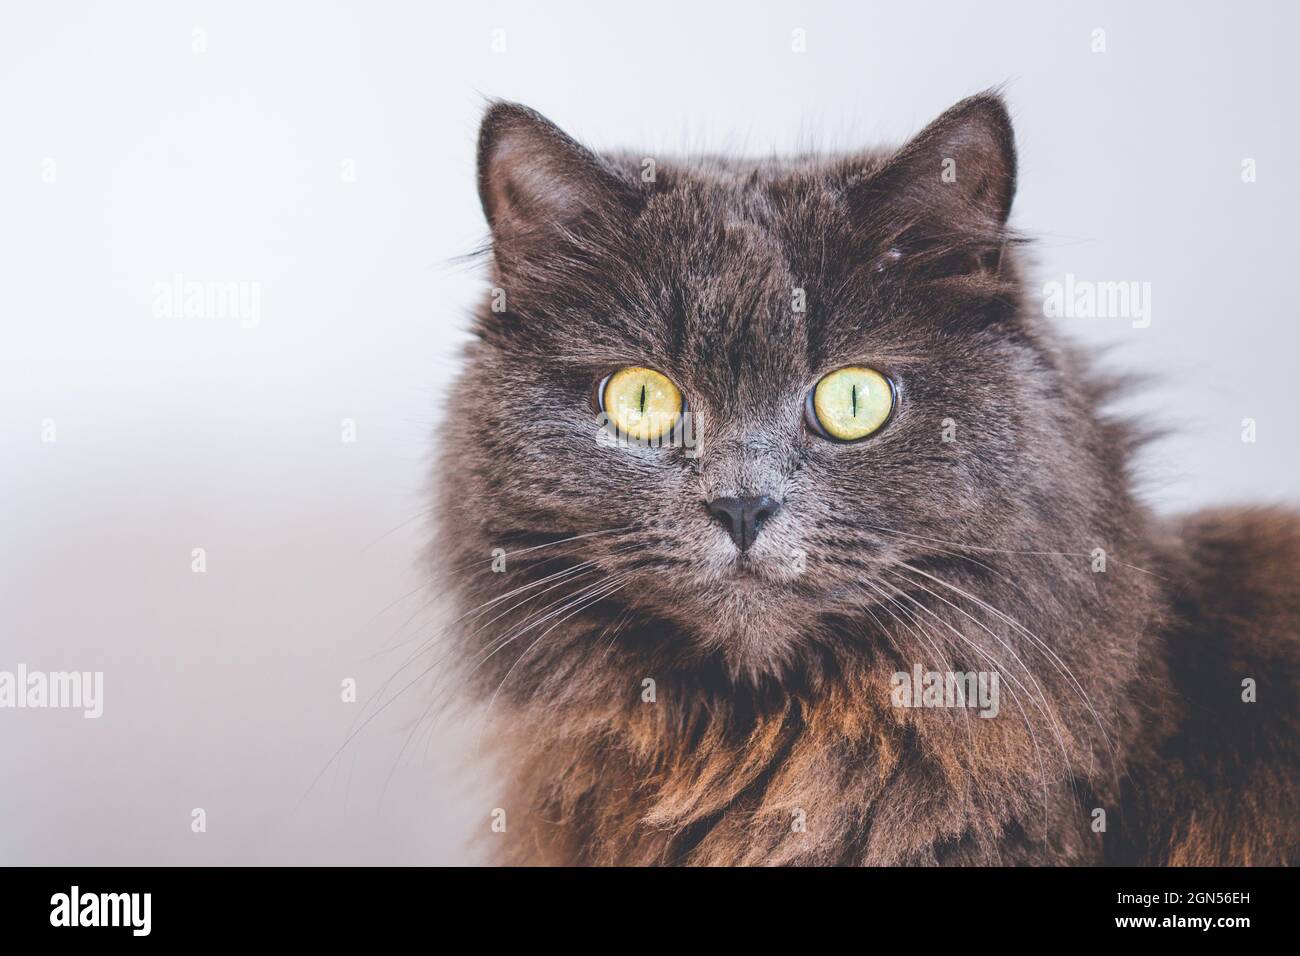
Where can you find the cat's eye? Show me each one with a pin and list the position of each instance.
(640, 402)
(849, 403)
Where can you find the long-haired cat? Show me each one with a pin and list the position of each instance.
(783, 529)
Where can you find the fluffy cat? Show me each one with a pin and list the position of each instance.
(692, 654)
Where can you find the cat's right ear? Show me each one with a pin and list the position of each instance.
(946, 195)
(538, 185)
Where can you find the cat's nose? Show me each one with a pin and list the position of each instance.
(743, 517)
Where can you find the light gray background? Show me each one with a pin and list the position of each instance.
(222, 689)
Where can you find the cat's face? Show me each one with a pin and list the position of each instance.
(745, 284)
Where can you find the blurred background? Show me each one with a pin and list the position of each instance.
(318, 159)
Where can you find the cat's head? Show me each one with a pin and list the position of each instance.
(783, 489)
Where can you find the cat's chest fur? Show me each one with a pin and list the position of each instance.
(640, 762)
(1187, 773)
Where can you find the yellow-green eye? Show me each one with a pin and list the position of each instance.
(640, 402)
(850, 403)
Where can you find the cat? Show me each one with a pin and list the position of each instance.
(693, 650)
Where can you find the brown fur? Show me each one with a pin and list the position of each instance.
(1214, 780)
(771, 738)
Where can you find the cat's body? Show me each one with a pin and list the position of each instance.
(1212, 781)
(660, 693)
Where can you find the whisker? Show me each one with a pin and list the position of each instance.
(568, 573)
(428, 642)
(1042, 645)
(618, 585)
(974, 547)
(1046, 709)
(569, 602)
(928, 638)
(478, 563)
(1042, 772)
(364, 722)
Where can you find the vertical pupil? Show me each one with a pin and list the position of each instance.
(643, 399)
(855, 401)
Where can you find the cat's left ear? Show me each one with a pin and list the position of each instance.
(539, 186)
(949, 189)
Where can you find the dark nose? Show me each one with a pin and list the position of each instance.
(743, 517)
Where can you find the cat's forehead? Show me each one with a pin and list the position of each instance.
(736, 317)
(747, 200)
(743, 254)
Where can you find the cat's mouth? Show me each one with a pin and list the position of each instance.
(750, 572)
